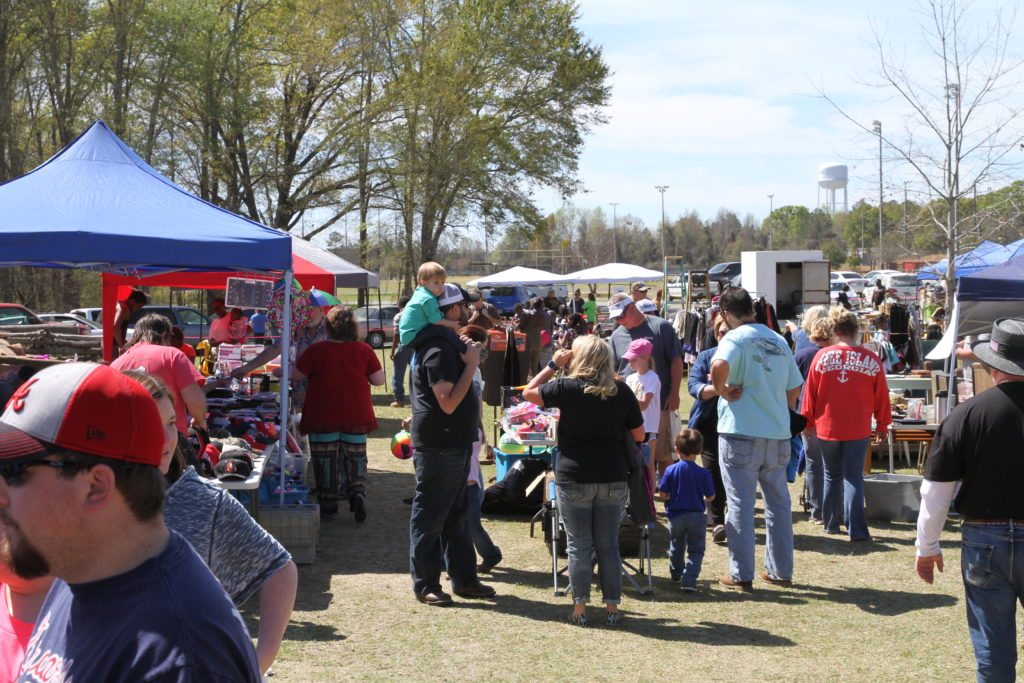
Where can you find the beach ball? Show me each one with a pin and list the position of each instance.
(401, 445)
(506, 444)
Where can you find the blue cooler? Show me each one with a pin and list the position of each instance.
(503, 461)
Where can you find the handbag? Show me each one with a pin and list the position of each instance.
(797, 422)
(641, 498)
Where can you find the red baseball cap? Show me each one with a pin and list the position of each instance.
(82, 407)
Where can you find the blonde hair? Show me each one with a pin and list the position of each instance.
(811, 316)
(844, 322)
(431, 271)
(822, 329)
(593, 364)
(154, 385)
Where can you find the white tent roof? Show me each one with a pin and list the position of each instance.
(613, 272)
(518, 275)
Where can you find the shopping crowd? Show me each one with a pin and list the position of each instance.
(103, 515)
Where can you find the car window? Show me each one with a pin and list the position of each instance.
(189, 316)
(502, 291)
(902, 280)
(11, 315)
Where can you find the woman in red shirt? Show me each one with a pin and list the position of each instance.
(338, 412)
(845, 387)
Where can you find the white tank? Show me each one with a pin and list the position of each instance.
(833, 176)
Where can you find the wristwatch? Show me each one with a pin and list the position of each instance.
(552, 365)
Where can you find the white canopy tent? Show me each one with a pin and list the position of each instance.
(611, 273)
(518, 275)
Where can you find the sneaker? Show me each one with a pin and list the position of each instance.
(817, 522)
(485, 566)
(474, 591)
(435, 598)
(689, 587)
(397, 404)
(732, 584)
(718, 534)
(781, 583)
(358, 507)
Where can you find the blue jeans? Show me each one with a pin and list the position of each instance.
(439, 524)
(992, 563)
(815, 474)
(591, 514)
(400, 365)
(489, 552)
(746, 462)
(843, 500)
(688, 532)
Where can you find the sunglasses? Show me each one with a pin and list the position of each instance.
(13, 472)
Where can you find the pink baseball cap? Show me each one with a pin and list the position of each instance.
(82, 407)
(637, 348)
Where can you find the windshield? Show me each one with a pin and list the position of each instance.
(903, 281)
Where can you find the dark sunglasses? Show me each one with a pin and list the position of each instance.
(13, 472)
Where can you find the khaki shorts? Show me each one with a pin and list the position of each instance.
(663, 449)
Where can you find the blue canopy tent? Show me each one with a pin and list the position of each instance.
(983, 256)
(985, 296)
(97, 205)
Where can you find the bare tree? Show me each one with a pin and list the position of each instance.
(963, 128)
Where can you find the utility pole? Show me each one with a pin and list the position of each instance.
(615, 232)
(877, 128)
(771, 231)
(661, 189)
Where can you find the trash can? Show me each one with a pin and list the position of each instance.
(893, 497)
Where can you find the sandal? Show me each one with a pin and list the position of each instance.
(613, 618)
(578, 619)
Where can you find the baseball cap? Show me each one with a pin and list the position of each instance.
(452, 294)
(639, 286)
(647, 306)
(638, 347)
(84, 407)
(618, 307)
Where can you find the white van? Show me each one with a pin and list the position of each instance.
(905, 285)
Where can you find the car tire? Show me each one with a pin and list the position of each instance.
(375, 339)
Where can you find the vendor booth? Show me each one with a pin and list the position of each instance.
(519, 275)
(611, 273)
(97, 205)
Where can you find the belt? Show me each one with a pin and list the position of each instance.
(994, 521)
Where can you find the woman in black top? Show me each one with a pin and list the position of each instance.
(599, 415)
(843, 299)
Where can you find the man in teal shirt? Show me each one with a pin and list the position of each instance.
(756, 376)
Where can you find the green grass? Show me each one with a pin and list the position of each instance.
(855, 613)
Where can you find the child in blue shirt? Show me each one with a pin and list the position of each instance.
(422, 309)
(685, 487)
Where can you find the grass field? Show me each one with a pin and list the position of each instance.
(855, 612)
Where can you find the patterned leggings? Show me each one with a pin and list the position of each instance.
(339, 471)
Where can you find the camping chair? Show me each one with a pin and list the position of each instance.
(554, 534)
(923, 439)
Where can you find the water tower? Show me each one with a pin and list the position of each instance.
(832, 177)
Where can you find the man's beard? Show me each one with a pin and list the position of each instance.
(17, 553)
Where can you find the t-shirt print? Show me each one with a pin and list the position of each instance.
(843, 361)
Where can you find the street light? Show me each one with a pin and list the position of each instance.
(771, 209)
(615, 231)
(876, 127)
(661, 189)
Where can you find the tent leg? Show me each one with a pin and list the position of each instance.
(286, 341)
(383, 356)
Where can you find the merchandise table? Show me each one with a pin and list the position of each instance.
(250, 484)
(897, 427)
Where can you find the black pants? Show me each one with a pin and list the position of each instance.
(709, 457)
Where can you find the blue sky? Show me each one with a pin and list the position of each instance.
(717, 101)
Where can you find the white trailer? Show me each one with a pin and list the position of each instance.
(790, 280)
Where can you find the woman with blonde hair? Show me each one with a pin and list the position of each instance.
(600, 420)
(845, 387)
(802, 334)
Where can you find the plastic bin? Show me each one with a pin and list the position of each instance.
(296, 527)
(893, 497)
(504, 461)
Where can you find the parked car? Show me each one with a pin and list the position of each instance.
(194, 324)
(905, 285)
(724, 274)
(377, 323)
(91, 314)
(84, 326)
(16, 314)
(506, 298)
(676, 289)
(857, 283)
(856, 300)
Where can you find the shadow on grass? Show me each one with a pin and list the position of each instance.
(307, 630)
(884, 603)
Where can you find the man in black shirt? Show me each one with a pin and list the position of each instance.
(445, 419)
(978, 444)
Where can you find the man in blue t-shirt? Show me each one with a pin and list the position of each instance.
(81, 498)
(758, 381)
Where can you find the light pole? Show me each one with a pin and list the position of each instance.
(615, 231)
(771, 209)
(876, 126)
(661, 189)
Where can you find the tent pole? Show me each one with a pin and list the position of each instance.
(383, 356)
(286, 343)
